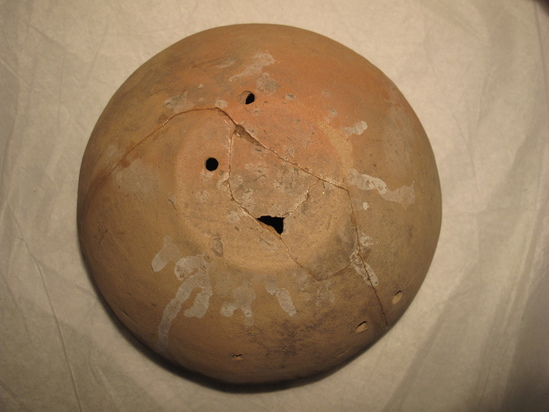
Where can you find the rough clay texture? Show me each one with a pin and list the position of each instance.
(304, 131)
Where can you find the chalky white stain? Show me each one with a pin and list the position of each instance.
(371, 274)
(243, 296)
(197, 278)
(357, 129)
(404, 195)
(266, 85)
(229, 61)
(259, 61)
(364, 270)
(221, 104)
(193, 271)
(365, 240)
(179, 103)
(169, 253)
(360, 205)
(282, 295)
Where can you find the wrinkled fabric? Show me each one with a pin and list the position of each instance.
(476, 338)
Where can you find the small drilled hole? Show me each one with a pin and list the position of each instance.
(247, 97)
(397, 297)
(277, 223)
(362, 327)
(212, 164)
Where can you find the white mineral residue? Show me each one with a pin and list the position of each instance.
(283, 297)
(168, 253)
(259, 61)
(357, 129)
(404, 194)
(243, 296)
(193, 271)
(179, 103)
(220, 104)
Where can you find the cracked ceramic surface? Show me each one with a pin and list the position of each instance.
(258, 203)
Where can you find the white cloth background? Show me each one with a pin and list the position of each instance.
(476, 338)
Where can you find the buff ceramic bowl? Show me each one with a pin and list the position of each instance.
(258, 203)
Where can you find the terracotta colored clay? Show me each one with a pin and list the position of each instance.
(258, 203)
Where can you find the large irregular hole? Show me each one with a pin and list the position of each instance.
(277, 223)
